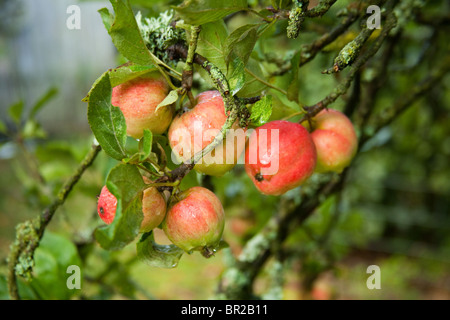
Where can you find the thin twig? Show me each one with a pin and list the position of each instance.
(360, 61)
(188, 71)
(309, 51)
(321, 8)
(389, 114)
(30, 233)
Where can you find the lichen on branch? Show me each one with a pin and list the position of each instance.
(296, 17)
(158, 33)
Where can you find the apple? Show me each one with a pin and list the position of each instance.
(195, 221)
(138, 99)
(335, 139)
(153, 208)
(195, 129)
(106, 205)
(280, 156)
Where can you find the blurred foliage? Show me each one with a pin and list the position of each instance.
(394, 210)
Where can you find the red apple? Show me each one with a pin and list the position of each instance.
(106, 206)
(138, 99)
(153, 208)
(195, 221)
(335, 139)
(280, 156)
(195, 129)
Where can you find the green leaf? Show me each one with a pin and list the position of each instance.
(52, 92)
(128, 72)
(32, 129)
(24, 287)
(156, 255)
(123, 73)
(284, 4)
(222, 245)
(147, 142)
(192, 179)
(241, 42)
(293, 88)
(3, 127)
(237, 78)
(198, 12)
(52, 258)
(126, 184)
(15, 111)
(164, 151)
(274, 3)
(125, 33)
(261, 111)
(253, 87)
(135, 157)
(107, 122)
(107, 18)
(171, 98)
(152, 5)
(211, 43)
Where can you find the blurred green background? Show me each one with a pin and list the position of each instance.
(394, 210)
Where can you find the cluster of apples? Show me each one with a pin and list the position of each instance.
(194, 219)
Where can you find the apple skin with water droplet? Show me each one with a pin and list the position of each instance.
(195, 221)
(195, 129)
(106, 205)
(138, 99)
(335, 139)
(153, 208)
(291, 151)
